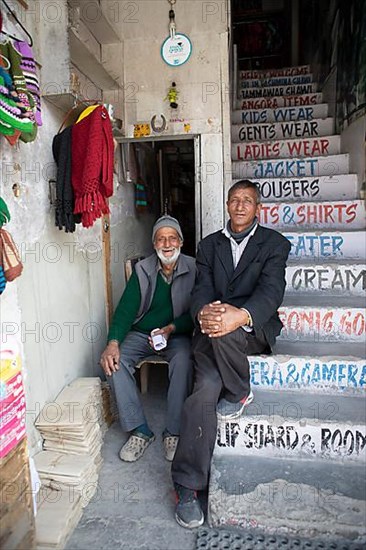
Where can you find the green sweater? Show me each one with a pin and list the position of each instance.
(159, 315)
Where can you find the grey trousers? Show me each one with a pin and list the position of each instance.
(221, 370)
(134, 348)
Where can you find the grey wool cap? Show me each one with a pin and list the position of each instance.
(167, 221)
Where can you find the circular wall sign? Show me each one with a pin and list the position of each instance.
(176, 51)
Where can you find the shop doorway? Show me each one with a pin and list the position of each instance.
(167, 179)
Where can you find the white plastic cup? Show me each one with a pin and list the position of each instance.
(159, 341)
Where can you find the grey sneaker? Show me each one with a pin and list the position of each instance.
(170, 443)
(230, 411)
(188, 512)
(135, 447)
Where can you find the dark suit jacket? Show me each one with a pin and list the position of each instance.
(257, 283)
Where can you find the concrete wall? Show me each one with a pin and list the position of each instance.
(130, 235)
(56, 309)
(203, 82)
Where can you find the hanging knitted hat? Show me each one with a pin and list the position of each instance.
(20, 87)
(9, 133)
(28, 66)
(4, 213)
(6, 129)
(10, 113)
(9, 256)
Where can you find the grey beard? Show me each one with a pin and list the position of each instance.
(168, 261)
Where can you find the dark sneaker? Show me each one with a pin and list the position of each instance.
(188, 512)
(230, 411)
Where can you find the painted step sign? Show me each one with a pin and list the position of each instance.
(313, 215)
(309, 374)
(311, 147)
(275, 81)
(274, 91)
(333, 279)
(281, 437)
(292, 168)
(301, 100)
(281, 114)
(311, 324)
(306, 189)
(267, 73)
(346, 245)
(282, 130)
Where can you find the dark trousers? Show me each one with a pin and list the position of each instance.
(221, 370)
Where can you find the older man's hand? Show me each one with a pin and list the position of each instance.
(109, 360)
(217, 319)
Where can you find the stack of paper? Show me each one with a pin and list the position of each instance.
(67, 473)
(72, 428)
(56, 519)
(72, 423)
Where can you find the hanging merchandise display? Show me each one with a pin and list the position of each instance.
(92, 165)
(29, 69)
(177, 47)
(24, 89)
(11, 116)
(61, 148)
(20, 88)
(84, 154)
(9, 256)
(6, 129)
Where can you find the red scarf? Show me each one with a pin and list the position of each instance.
(92, 165)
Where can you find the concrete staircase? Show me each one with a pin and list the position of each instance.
(295, 462)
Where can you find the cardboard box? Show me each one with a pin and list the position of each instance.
(13, 463)
(16, 511)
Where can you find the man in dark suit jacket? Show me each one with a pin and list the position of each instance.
(239, 287)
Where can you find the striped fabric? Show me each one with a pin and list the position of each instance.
(2, 280)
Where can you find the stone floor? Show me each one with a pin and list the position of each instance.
(134, 503)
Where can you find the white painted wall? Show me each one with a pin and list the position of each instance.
(202, 84)
(58, 286)
(130, 235)
(56, 309)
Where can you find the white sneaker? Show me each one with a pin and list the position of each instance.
(227, 411)
(170, 443)
(135, 447)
